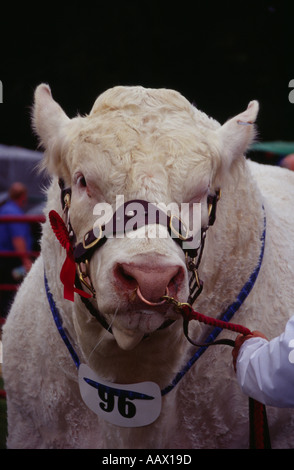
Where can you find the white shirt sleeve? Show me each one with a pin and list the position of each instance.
(265, 369)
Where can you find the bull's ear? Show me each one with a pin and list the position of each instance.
(48, 116)
(238, 133)
(49, 122)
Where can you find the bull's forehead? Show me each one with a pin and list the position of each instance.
(146, 143)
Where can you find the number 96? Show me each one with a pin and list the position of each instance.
(126, 408)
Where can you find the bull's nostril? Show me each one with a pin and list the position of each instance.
(124, 277)
(177, 279)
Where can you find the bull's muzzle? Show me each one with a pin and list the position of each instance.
(150, 281)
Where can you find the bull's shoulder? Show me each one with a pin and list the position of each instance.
(28, 316)
(273, 181)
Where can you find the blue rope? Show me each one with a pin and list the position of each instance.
(58, 323)
(228, 314)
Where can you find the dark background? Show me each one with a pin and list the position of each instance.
(219, 55)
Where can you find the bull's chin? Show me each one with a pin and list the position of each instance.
(131, 326)
(127, 339)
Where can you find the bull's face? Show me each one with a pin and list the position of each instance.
(150, 145)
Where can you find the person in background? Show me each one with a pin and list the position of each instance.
(288, 162)
(14, 236)
(265, 369)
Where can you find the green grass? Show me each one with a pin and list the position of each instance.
(3, 419)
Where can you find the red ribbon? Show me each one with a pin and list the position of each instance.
(68, 270)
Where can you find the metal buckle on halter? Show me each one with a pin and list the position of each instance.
(83, 275)
(181, 232)
(195, 272)
(93, 243)
(66, 201)
(195, 284)
(171, 300)
(192, 267)
(212, 206)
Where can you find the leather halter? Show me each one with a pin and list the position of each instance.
(117, 225)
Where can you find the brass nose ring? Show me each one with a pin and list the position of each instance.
(153, 304)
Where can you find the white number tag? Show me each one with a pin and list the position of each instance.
(132, 405)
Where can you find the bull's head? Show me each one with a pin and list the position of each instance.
(139, 144)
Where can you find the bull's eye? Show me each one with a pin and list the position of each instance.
(81, 180)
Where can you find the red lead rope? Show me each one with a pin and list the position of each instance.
(190, 314)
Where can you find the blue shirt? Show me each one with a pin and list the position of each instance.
(13, 229)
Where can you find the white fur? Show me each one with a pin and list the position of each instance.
(149, 144)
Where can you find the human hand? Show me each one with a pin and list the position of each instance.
(240, 340)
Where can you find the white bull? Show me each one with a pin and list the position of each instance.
(154, 146)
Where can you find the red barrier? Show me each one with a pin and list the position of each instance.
(9, 286)
(23, 218)
(18, 254)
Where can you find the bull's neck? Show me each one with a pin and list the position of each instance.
(233, 243)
